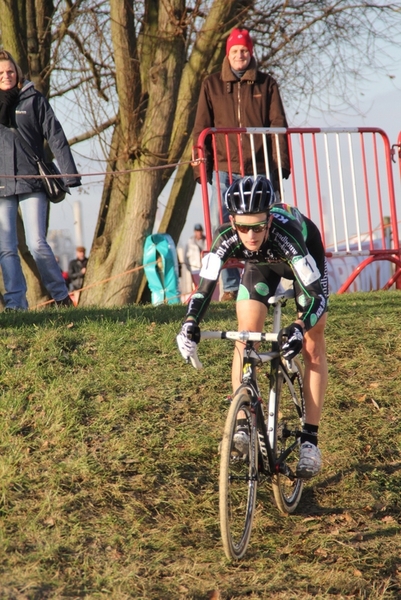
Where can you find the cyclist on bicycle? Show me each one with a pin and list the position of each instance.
(274, 241)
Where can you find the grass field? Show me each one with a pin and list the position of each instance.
(109, 463)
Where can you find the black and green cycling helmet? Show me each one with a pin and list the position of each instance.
(250, 196)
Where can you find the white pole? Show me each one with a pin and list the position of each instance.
(78, 223)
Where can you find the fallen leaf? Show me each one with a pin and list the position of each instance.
(388, 519)
(70, 325)
(357, 573)
(347, 517)
(375, 404)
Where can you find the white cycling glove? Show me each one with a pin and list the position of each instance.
(291, 340)
(187, 339)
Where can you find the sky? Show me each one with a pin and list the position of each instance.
(379, 105)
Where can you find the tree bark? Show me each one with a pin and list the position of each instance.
(124, 251)
(169, 91)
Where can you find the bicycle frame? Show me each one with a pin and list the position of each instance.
(252, 359)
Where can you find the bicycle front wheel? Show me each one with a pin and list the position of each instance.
(288, 418)
(238, 475)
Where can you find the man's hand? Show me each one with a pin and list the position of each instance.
(209, 178)
(290, 340)
(285, 173)
(187, 339)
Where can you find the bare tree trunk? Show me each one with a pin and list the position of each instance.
(111, 214)
(180, 198)
(124, 251)
(170, 89)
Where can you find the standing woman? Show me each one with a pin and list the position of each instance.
(24, 108)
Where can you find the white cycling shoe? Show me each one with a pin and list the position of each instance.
(241, 441)
(310, 461)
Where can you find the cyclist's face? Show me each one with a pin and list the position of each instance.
(239, 57)
(252, 230)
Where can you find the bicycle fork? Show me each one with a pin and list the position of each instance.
(277, 464)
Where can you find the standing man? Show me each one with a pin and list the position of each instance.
(194, 248)
(239, 96)
(77, 270)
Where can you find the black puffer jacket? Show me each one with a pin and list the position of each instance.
(36, 121)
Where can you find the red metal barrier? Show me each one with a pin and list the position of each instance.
(398, 151)
(342, 179)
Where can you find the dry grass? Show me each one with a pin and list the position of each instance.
(109, 465)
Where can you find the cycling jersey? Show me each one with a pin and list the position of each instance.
(293, 249)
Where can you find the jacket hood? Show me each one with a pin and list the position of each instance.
(28, 88)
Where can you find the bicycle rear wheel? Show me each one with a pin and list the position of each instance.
(238, 477)
(287, 423)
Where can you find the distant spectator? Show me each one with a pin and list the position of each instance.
(194, 248)
(77, 268)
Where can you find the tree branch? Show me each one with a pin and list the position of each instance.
(93, 132)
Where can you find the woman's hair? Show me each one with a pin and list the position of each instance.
(4, 55)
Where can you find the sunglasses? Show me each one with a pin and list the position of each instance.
(256, 227)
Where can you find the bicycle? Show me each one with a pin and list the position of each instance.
(274, 440)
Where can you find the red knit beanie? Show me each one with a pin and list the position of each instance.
(239, 37)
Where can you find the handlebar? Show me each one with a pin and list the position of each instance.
(239, 336)
(245, 336)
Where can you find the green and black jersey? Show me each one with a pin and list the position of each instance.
(293, 249)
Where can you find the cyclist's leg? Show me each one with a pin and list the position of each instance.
(315, 383)
(316, 371)
(251, 316)
(314, 350)
(257, 285)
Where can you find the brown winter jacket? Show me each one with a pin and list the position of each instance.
(252, 101)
